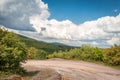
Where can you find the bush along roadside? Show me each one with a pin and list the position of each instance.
(12, 53)
(110, 56)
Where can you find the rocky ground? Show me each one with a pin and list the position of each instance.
(59, 69)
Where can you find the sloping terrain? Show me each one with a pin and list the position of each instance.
(73, 70)
(48, 47)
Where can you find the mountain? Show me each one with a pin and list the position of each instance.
(59, 44)
(48, 47)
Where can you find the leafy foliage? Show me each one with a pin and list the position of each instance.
(41, 54)
(41, 49)
(32, 52)
(109, 56)
(47, 47)
(86, 52)
(12, 52)
(112, 55)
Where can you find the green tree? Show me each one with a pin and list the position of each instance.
(41, 54)
(12, 52)
(32, 52)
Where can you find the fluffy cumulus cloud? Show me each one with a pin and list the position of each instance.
(16, 13)
(103, 31)
(30, 18)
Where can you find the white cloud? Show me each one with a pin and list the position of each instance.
(100, 29)
(34, 14)
(114, 40)
(16, 13)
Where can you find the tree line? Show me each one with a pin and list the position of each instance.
(110, 56)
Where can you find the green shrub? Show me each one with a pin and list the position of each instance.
(12, 52)
(86, 52)
(32, 52)
(41, 54)
(112, 55)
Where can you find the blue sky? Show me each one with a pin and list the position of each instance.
(71, 22)
(79, 11)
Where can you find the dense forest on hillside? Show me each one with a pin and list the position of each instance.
(39, 49)
(48, 47)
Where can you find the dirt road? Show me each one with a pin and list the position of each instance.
(75, 70)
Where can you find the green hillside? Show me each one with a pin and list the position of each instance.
(48, 47)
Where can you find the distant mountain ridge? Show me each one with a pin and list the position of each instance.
(49, 47)
(59, 44)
